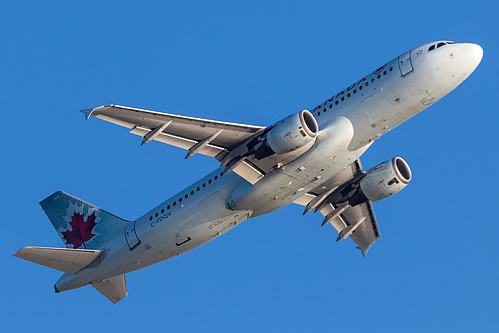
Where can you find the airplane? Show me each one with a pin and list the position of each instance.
(310, 158)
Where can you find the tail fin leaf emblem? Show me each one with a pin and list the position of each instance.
(81, 230)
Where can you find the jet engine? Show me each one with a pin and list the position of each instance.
(292, 132)
(385, 179)
(380, 182)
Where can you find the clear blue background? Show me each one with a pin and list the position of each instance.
(434, 269)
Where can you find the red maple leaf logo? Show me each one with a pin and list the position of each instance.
(82, 230)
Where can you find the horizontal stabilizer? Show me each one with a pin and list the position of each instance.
(65, 260)
(114, 289)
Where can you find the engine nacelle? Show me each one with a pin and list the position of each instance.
(385, 179)
(292, 132)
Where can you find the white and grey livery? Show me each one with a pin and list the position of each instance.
(310, 158)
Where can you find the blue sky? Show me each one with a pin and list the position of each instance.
(434, 269)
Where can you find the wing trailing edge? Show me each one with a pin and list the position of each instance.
(357, 222)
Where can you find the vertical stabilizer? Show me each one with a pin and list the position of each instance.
(80, 224)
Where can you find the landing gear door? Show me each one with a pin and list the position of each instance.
(405, 64)
(131, 236)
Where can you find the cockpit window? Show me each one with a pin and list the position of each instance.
(431, 48)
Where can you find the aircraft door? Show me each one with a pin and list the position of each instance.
(405, 64)
(131, 236)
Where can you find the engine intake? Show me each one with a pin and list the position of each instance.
(292, 132)
(385, 179)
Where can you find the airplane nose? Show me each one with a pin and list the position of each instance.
(474, 54)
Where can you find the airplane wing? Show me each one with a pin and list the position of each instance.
(203, 136)
(343, 218)
(208, 137)
(364, 235)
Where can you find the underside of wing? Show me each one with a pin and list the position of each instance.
(245, 149)
(357, 222)
(365, 234)
(203, 136)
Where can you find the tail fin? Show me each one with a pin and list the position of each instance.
(80, 224)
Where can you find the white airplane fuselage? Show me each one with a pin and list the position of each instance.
(349, 123)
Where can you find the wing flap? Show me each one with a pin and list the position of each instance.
(249, 172)
(65, 260)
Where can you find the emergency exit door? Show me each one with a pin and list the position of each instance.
(405, 64)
